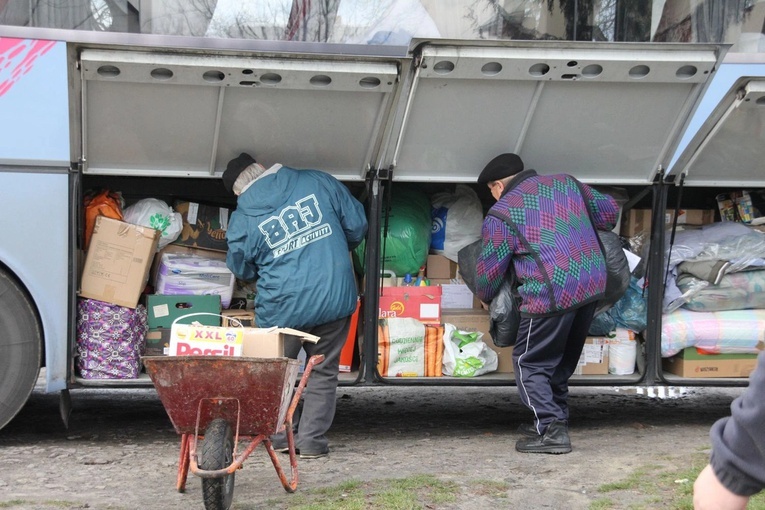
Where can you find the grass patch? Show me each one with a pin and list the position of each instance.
(417, 492)
(20, 503)
(661, 487)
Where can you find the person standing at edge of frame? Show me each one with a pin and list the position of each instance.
(292, 232)
(736, 469)
(540, 228)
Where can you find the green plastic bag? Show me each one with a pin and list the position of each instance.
(405, 249)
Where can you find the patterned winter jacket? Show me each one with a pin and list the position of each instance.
(547, 235)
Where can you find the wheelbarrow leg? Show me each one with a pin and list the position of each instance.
(183, 463)
(289, 485)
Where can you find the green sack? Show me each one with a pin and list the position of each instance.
(405, 249)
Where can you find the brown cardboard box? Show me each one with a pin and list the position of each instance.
(690, 363)
(269, 342)
(478, 320)
(594, 358)
(118, 261)
(438, 266)
(235, 318)
(639, 220)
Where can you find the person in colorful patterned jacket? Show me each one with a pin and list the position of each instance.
(736, 469)
(540, 231)
(292, 232)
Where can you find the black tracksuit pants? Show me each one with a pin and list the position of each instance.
(545, 356)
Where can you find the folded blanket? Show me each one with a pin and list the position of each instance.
(731, 331)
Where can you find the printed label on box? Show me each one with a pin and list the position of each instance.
(189, 340)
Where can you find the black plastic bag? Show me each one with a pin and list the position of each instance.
(617, 267)
(504, 316)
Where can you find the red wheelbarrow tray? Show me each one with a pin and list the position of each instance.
(253, 394)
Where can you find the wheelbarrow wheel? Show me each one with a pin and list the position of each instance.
(217, 452)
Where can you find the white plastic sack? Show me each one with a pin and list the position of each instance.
(457, 221)
(466, 354)
(156, 214)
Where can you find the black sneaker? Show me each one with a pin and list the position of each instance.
(314, 455)
(555, 440)
(528, 430)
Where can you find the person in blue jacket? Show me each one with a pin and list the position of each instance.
(291, 233)
(736, 469)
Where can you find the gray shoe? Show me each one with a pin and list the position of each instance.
(555, 440)
(528, 430)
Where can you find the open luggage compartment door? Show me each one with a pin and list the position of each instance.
(728, 149)
(187, 113)
(606, 113)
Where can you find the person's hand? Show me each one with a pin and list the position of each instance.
(710, 494)
(484, 305)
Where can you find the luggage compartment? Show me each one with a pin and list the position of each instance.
(164, 125)
(718, 267)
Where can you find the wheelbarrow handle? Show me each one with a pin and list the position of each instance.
(312, 361)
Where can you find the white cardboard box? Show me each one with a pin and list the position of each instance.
(456, 295)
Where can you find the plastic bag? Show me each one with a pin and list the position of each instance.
(617, 267)
(505, 316)
(405, 247)
(156, 214)
(103, 203)
(466, 354)
(457, 220)
(631, 311)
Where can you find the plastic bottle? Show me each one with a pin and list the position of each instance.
(408, 280)
(420, 282)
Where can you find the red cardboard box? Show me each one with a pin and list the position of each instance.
(346, 355)
(422, 303)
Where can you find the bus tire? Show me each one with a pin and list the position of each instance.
(20, 348)
(217, 452)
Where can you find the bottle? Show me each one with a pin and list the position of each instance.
(420, 282)
(407, 280)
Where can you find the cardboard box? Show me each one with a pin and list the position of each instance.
(118, 261)
(478, 320)
(690, 363)
(457, 296)
(163, 310)
(204, 226)
(594, 358)
(157, 342)
(639, 220)
(269, 342)
(438, 266)
(236, 318)
(422, 303)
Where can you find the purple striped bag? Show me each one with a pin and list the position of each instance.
(110, 340)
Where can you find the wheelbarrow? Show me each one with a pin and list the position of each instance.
(216, 401)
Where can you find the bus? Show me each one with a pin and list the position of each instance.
(659, 102)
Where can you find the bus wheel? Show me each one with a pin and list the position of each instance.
(20, 348)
